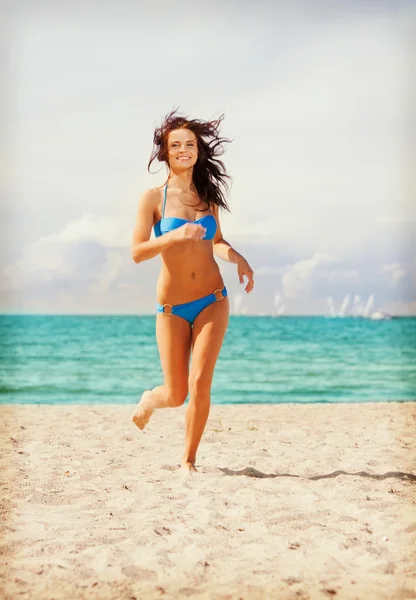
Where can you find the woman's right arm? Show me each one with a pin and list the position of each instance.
(142, 247)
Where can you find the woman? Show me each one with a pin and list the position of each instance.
(192, 310)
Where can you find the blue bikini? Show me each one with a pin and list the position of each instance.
(168, 223)
(189, 310)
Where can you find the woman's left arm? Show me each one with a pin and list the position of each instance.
(225, 251)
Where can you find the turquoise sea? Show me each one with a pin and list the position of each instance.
(112, 359)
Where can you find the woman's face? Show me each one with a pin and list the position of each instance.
(182, 149)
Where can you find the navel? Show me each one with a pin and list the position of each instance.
(192, 275)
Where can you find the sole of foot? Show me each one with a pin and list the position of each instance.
(141, 413)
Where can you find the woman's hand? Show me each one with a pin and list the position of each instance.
(244, 269)
(188, 231)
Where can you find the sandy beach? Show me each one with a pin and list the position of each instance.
(290, 502)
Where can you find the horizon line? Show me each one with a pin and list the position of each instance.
(151, 314)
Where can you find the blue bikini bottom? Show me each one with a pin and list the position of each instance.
(190, 310)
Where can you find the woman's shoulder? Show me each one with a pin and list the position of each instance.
(152, 196)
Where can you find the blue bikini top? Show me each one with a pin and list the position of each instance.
(168, 223)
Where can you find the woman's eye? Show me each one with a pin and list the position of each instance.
(175, 145)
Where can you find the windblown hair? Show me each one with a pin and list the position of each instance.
(209, 175)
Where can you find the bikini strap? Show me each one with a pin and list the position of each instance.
(164, 201)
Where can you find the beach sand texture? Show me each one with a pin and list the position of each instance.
(292, 502)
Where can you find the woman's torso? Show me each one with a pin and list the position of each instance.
(189, 270)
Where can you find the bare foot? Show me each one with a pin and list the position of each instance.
(188, 467)
(142, 412)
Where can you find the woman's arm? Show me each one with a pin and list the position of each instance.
(225, 251)
(142, 247)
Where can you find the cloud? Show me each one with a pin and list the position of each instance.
(74, 253)
(109, 272)
(338, 275)
(298, 278)
(104, 230)
(395, 272)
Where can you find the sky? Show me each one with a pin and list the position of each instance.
(317, 98)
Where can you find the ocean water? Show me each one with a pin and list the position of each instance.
(112, 359)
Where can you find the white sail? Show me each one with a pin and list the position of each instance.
(344, 306)
(331, 307)
(369, 306)
(356, 308)
(277, 298)
(278, 305)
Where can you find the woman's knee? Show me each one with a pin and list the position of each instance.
(178, 394)
(200, 384)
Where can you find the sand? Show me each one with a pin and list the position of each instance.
(291, 502)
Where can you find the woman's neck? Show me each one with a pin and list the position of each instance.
(181, 181)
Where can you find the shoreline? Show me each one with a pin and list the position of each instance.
(253, 405)
(292, 501)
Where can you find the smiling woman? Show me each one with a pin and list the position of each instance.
(183, 149)
(198, 144)
(190, 289)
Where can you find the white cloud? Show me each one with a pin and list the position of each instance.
(109, 272)
(337, 275)
(395, 272)
(41, 262)
(68, 253)
(298, 278)
(105, 230)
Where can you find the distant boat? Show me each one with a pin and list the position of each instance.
(368, 307)
(344, 306)
(357, 310)
(380, 316)
(279, 305)
(376, 315)
(331, 307)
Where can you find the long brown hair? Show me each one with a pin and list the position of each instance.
(209, 175)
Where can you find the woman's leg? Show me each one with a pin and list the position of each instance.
(173, 335)
(207, 337)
